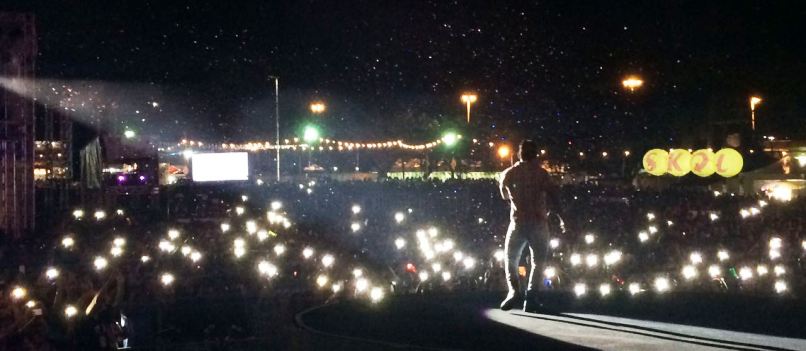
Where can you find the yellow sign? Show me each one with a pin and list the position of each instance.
(656, 161)
(679, 162)
(729, 162)
(702, 163)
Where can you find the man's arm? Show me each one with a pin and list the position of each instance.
(503, 185)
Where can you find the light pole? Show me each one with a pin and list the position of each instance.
(754, 100)
(277, 121)
(469, 98)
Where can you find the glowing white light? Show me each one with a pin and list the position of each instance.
(634, 288)
(481, 220)
(643, 236)
(173, 234)
(775, 254)
(652, 229)
(119, 212)
(251, 227)
(423, 276)
(166, 246)
(803, 244)
(18, 292)
(52, 273)
(761, 270)
(99, 215)
(276, 205)
(244, 198)
(554, 243)
(580, 289)
(68, 242)
(400, 243)
(762, 203)
(225, 227)
(576, 259)
(776, 243)
(356, 209)
(448, 244)
(436, 267)
(145, 258)
(307, 252)
(239, 251)
(662, 284)
(780, 286)
(745, 273)
(669, 223)
(591, 260)
(279, 249)
(70, 311)
(361, 284)
(358, 273)
(78, 214)
(714, 271)
(432, 232)
(30, 304)
(713, 216)
(267, 269)
(589, 239)
(185, 250)
(612, 257)
(220, 166)
(119, 241)
(469, 263)
(355, 226)
(650, 216)
(321, 280)
(550, 272)
(498, 255)
(695, 257)
(336, 287)
(744, 213)
(116, 251)
(458, 255)
(195, 256)
(239, 210)
(689, 272)
(722, 255)
(262, 235)
(327, 260)
(100, 263)
(376, 294)
(446, 276)
(399, 217)
(604, 289)
(167, 279)
(779, 270)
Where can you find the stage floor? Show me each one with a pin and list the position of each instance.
(471, 322)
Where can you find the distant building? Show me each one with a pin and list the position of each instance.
(17, 57)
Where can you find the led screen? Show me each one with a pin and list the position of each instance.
(213, 167)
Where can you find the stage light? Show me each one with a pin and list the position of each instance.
(554, 243)
(576, 259)
(70, 311)
(307, 252)
(745, 273)
(321, 280)
(356, 209)
(423, 276)
(376, 294)
(634, 288)
(714, 271)
(550, 272)
(780, 286)
(100, 263)
(279, 249)
(328, 260)
(722, 255)
(68, 242)
(696, 258)
(18, 293)
(591, 260)
(52, 273)
(399, 217)
(589, 239)
(400, 243)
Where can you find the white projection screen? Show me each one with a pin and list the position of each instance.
(217, 167)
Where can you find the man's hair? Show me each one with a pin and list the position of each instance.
(528, 150)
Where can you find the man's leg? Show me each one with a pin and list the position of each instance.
(538, 238)
(513, 248)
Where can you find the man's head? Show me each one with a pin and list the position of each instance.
(527, 150)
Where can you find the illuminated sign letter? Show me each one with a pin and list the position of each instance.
(656, 161)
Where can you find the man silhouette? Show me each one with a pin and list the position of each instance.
(529, 189)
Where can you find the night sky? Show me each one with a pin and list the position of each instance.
(550, 70)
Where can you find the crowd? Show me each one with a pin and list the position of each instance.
(113, 275)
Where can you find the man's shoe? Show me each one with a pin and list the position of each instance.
(510, 301)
